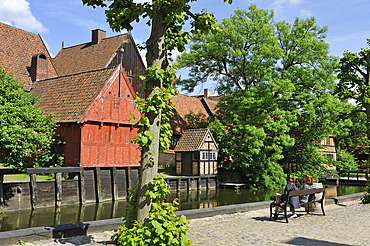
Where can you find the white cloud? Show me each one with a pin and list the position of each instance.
(279, 5)
(18, 13)
(305, 13)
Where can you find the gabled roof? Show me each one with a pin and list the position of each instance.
(16, 50)
(68, 97)
(87, 56)
(192, 139)
(186, 105)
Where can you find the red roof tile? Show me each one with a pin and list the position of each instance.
(187, 104)
(87, 56)
(191, 139)
(68, 97)
(16, 50)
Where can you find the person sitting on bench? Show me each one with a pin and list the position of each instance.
(293, 184)
(308, 182)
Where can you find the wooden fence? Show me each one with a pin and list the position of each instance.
(92, 185)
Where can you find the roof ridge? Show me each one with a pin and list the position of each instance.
(18, 28)
(194, 130)
(72, 74)
(76, 45)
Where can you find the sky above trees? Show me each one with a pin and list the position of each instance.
(71, 22)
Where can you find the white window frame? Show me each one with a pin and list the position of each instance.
(205, 155)
(212, 155)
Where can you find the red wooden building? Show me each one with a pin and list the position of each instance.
(93, 110)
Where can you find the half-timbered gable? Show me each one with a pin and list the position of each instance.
(196, 153)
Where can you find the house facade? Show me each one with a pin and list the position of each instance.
(93, 110)
(196, 153)
(185, 105)
(87, 89)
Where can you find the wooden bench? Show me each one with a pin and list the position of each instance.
(311, 200)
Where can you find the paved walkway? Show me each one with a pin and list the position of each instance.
(344, 224)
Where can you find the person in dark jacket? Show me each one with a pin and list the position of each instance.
(293, 201)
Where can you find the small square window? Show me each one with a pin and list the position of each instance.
(330, 156)
(204, 155)
(195, 156)
(212, 155)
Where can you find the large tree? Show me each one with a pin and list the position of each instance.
(167, 19)
(275, 79)
(25, 130)
(354, 85)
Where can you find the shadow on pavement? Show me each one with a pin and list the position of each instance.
(309, 241)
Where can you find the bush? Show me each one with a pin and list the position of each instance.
(366, 198)
(161, 227)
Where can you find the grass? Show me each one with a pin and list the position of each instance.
(25, 178)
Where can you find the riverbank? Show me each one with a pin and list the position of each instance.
(98, 232)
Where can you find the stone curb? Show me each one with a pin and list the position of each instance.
(84, 228)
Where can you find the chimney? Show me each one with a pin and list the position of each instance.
(97, 35)
(207, 93)
(39, 67)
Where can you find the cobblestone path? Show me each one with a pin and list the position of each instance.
(344, 224)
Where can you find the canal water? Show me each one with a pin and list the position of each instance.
(14, 220)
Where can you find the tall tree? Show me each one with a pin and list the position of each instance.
(167, 19)
(354, 85)
(24, 130)
(278, 74)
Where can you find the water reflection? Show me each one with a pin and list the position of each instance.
(21, 219)
(14, 220)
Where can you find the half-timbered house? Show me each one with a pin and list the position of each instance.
(196, 153)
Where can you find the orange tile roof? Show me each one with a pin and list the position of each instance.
(87, 56)
(187, 104)
(191, 139)
(16, 50)
(68, 97)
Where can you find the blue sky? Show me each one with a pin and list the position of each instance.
(71, 22)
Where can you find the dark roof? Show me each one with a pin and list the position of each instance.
(68, 97)
(87, 56)
(191, 139)
(16, 50)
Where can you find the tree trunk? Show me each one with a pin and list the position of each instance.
(156, 54)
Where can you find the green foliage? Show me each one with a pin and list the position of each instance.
(161, 227)
(120, 15)
(346, 162)
(275, 81)
(52, 156)
(366, 198)
(196, 121)
(159, 102)
(21, 242)
(354, 85)
(25, 130)
(253, 143)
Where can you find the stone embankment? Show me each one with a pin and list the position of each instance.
(345, 223)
